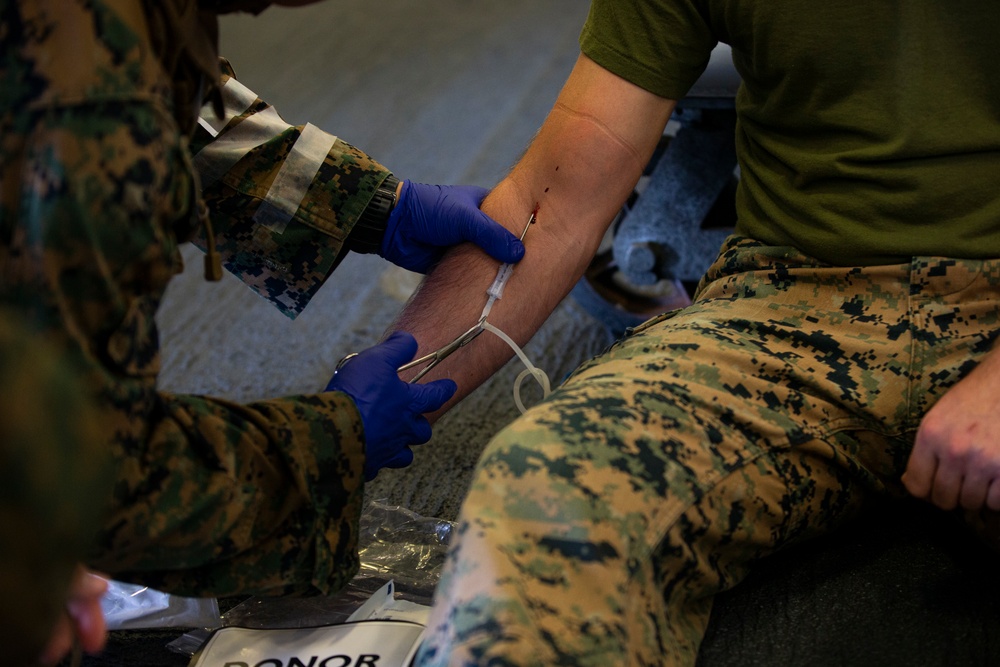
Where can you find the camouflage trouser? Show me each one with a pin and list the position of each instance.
(601, 524)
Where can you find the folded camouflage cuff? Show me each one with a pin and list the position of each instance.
(368, 232)
(284, 200)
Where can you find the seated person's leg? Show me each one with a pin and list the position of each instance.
(601, 524)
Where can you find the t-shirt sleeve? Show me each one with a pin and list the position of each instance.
(662, 46)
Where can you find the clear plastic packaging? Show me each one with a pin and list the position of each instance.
(131, 607)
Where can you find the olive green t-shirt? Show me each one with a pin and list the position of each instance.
(868, 131)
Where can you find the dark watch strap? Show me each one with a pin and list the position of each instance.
(367, 234)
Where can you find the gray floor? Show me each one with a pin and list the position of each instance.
(449, 91)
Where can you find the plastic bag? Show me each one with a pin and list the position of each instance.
(401, 545)
(130, 607)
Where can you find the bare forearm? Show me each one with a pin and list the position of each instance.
(577, 172)
(452, 298)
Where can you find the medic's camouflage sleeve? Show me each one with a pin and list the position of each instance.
(209, 497)
(282, 199)
(54, 477)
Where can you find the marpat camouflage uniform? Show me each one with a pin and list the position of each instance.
(600, 525)
(54, 474)
(97, 187)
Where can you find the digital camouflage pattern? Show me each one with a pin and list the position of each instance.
(54, 476)
(286, 267)
(600, 525)
(96, 188)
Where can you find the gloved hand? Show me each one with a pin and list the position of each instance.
(428, 219)
(391, 410)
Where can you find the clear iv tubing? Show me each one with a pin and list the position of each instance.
(495, 292)
(529, 368)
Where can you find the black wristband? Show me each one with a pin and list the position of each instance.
(367, 234)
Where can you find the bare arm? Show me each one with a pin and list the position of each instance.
(581, 166)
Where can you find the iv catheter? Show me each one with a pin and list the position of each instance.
(495, 292)
(496, 289)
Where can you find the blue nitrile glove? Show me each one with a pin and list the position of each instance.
(392, 411)
(428, 219)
